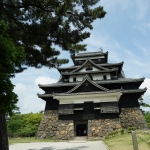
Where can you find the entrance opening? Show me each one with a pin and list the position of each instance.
(81, 130)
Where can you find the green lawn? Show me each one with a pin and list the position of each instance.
(124, 141)
(28, 140)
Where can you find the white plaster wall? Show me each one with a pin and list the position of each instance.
(84, 69)
(108, 76)
(94, 76)
(88, 98)
(100, 76)
(78, 78)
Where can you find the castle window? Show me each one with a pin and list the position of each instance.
(105, 77)
(99, 60)
(89, 67)
(80, 62)
(74, 79)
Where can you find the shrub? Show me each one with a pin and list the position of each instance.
(23, 125)
(122, 131)
(131, 129)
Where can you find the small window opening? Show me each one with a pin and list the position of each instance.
(74, 79)
(105, 77)
(89, 67)
(99, 60)
(80, 62)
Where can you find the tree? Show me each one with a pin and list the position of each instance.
(142, 103)
(23, 125)
(10, 56)
(147, 118)
(39, 25)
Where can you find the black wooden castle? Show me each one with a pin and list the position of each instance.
(91, 91)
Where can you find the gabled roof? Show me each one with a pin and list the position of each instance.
(71, 68)
(102, 69)
(85, 93)
(79, 55)
(91, 72)
(119, 80)
(90, 81)
(90, 54)
(89, 61)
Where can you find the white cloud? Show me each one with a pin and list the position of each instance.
(27, 95)
(146, 96)
(44, 80)
(142, 9)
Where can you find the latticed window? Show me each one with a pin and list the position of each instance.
(66, 109)
(109, 107)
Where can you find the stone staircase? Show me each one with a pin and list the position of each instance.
(79, 139)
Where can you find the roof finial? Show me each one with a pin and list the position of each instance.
(101, 49)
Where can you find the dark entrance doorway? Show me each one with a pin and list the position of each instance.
(80, 127)
(81, 130)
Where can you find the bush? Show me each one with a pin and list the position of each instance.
(147, 118)
(111, 134)
(23, 125)
(131, 129)
(122, 131)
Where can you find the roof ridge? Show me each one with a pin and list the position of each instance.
(84, 79)
(88, 59)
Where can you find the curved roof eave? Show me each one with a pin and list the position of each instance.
(122, 80)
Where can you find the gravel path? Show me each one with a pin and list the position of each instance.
(90, 145)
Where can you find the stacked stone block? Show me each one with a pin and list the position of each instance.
(130, 117)
(65, 130)
(48, 125)
(99, 128)
(51, 127)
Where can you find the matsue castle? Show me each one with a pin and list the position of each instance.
(91, 98)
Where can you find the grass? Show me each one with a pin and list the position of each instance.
(124, 141)
(28, 140)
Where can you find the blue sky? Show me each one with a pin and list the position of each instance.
(124, 33)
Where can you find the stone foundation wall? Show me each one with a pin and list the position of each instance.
(65, 130)
(48, 125)
(130, 117)
(51, 127)
(99, 128)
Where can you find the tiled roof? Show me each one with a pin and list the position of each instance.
(45, 95)
(84, 80)
(95, 92)
(89, 60)
(84, 93)
(90, 54)
(135, 91)
(102, 65)
(102, 71)
(119, 80)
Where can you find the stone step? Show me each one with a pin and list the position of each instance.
(79, 139)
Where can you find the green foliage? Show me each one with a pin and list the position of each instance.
(10, 56)
(147, 118)
(111, 134)
(142, 103)
(23, 125)
(122, 131)
(131, 129)
(114, 133)
(39, 25)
